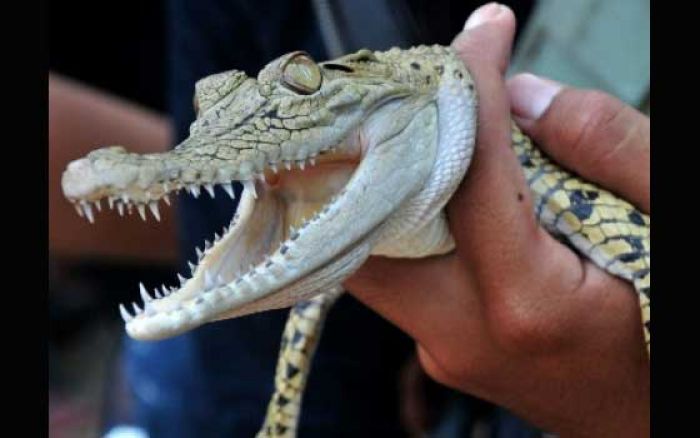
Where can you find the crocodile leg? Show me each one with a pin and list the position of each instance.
(609, 231)
(299, 340)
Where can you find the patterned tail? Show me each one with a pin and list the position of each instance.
(608, 230)
(299, 341)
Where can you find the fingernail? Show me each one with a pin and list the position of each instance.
(483, 14)
(530, 95)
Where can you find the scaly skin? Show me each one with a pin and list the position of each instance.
(374, 144)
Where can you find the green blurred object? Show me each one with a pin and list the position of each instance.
(602, 44)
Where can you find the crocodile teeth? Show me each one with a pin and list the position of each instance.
(137, 309)
(166, 198)
(98, 205)
(228, 187)
(110, 202)
(142, 211)
(157, 293)
(88, 212)
(79, 210)
(207, 245)
(194, 190)
(144, 294)
(288, 165)
(301, 164)
(312, 160)
(153, 206)
(210, 189)
(126, 316)
(120, 209)
(199, 253)
(250, 185)
(273, 166)
(192, 266)
(181, 279)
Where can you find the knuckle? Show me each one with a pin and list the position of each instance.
(594, 129)
(521, 325)
(451, 370)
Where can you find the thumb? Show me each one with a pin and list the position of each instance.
(590, 132)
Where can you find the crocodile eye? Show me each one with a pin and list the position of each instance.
(301, 74)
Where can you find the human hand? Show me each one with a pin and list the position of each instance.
(512, 315)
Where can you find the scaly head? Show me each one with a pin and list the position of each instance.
(312, 144)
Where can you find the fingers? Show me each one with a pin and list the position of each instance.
(410, 293)
(491, 214)
(590, 132)
(487, 38)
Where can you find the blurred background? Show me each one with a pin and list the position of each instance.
(123, 73)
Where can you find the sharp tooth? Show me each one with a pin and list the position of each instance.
(158, 294)
(165, 290)
(79, 210)
(88, 212)
(210, 189)
(216, 237)
(312, 160)
(192, 266)
(301, 164)
(110, 201)
(144, 294)
(273, 166)
(142, 211)
(182, 279)
(98, 205)
(137, 309)
(207, 244)
(194, 190)
(153, 206)
(208, 280)
(288, 165)
(120, 209)
(126, 316)
(229, 189)
(250, 185)
(166, 198)
(165, 187)
(199, 253)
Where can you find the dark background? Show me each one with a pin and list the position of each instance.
(127, 41)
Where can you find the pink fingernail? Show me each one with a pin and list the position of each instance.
(531, 96)
(483, 14)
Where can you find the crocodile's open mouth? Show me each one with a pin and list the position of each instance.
(274, 209)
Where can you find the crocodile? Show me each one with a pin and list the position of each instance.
(339, 160)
